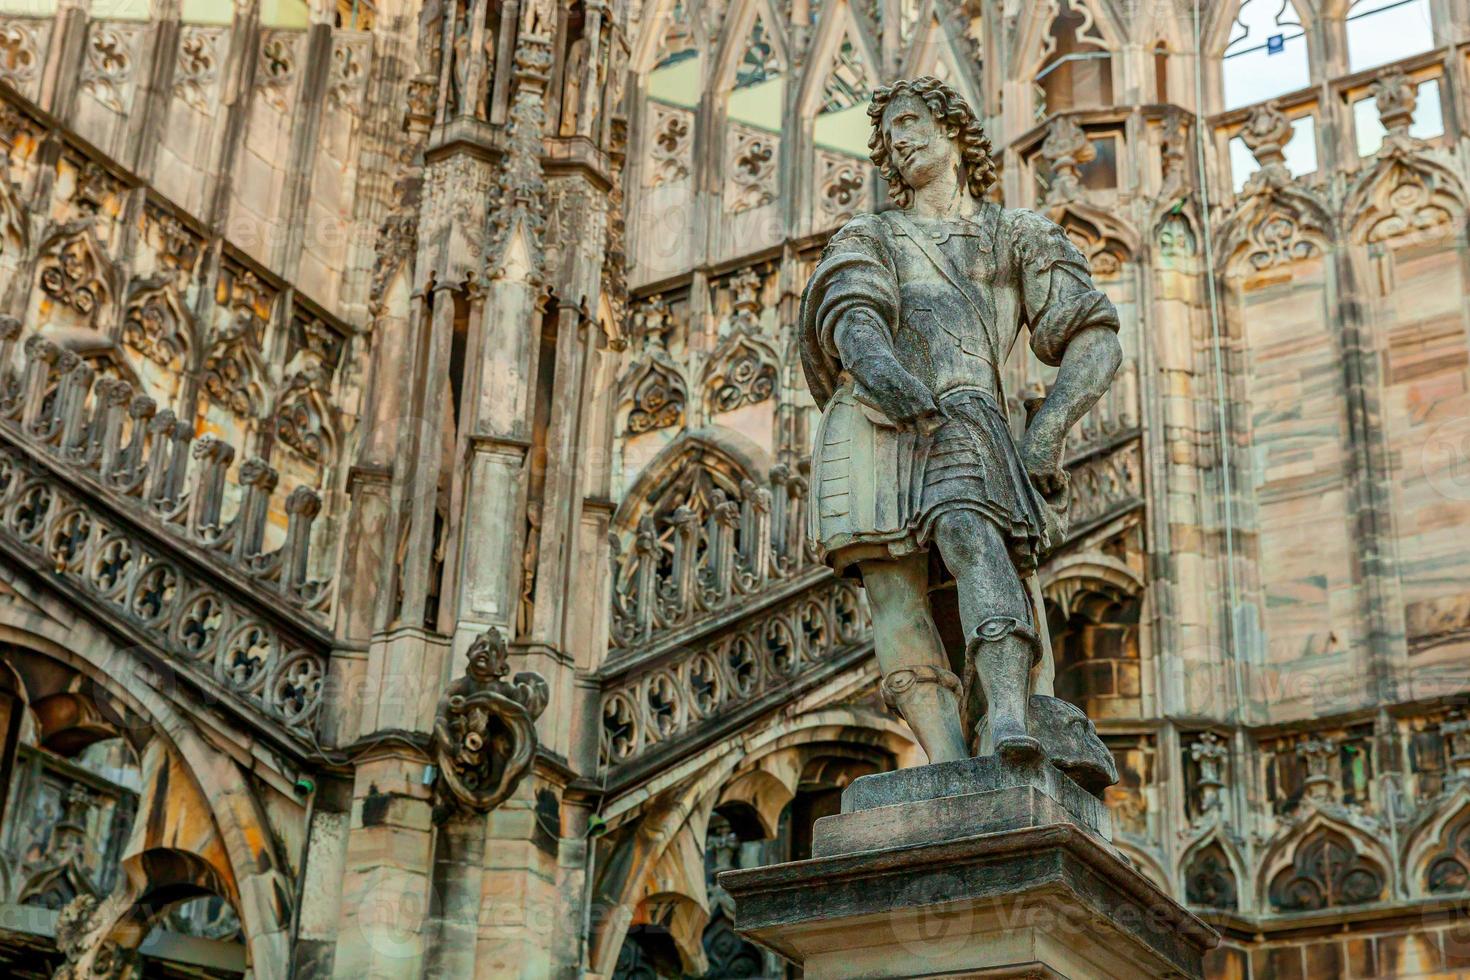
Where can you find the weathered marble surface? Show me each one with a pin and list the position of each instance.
(1048, 900)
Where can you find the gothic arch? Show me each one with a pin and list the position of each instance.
(1406, 195)
(1108, 242)
(1033, 41)
(675, 817)
(1064, 579)
(243, 839)
(1191, 860)
(1318, 846)
(657, 21)
(718, 450)
(935, 52)
(739, 21)
(838, 20)
(743, 370)
(1275, 223)
(652, 395)
(158, 324)
(1436, 854)
(75, 274)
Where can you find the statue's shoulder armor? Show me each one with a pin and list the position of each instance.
(863, 226)
(1032, 235)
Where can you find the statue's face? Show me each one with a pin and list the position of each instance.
(918, 146)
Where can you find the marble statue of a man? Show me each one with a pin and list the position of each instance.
(916, 478)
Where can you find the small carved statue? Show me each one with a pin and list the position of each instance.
(918, 484)
(485, 729)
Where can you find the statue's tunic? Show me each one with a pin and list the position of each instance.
(952, 299)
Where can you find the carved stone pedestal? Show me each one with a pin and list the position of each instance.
(967, 869)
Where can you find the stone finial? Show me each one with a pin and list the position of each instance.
(1066, 149)
(1317, 753)
(1266, 134)
(484, 729)
(1209, 753)
(746, 285)
(1395, 95)
(1456, 732)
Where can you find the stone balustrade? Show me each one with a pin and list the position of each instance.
(706, 556)
(148, 463)
(664, 699)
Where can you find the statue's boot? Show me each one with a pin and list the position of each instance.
(928, 697)
(1003, 651)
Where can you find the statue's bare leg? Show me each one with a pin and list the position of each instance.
(1001, 645)
(916, 676)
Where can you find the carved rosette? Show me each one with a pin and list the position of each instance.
(485, 729)
(23, 42)
(658, 393)
(107, 72)
(752, 168)
(196, 70)
(671, 148)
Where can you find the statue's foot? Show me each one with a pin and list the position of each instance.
(1018, 749)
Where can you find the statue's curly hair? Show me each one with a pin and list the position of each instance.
(959, 122)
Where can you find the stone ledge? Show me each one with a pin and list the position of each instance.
(971, 777)
(1016, 903)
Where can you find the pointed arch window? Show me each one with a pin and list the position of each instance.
(674, 78)
(1380, 31)
(759, 94)
(1267, 53)
(755, 108)
(1078, 69)
(842, 119)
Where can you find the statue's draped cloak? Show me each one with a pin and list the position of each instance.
(876, 489)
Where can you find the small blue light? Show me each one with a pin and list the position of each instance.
(1276, 43)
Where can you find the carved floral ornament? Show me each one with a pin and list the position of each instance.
(21, 52)
(108, 68)
(485, 729)
(275, 72)
(841, 191)
(1326, 871)
(658, 394)
(156, 322)
(752, 166)
(671, 150)
(75, 271)
(1409, 192)
(304, 414)
(196, 68)
(234, 374)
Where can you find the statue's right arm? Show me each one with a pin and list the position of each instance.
(863, 345)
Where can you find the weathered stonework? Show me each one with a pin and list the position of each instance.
(557, 252)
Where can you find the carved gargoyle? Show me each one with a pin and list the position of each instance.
(485, 729)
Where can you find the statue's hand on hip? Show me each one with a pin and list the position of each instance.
(1042, 457)
(901, 396)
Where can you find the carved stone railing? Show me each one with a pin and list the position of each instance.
(170, 608)
(145, 462)
(1105, 483)
(700, 563)
(766, 658)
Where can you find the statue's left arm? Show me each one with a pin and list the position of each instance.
(1074, 328)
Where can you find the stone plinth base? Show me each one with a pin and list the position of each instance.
(967, 869)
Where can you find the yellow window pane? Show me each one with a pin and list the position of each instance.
(207, 11)
(284, 13)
